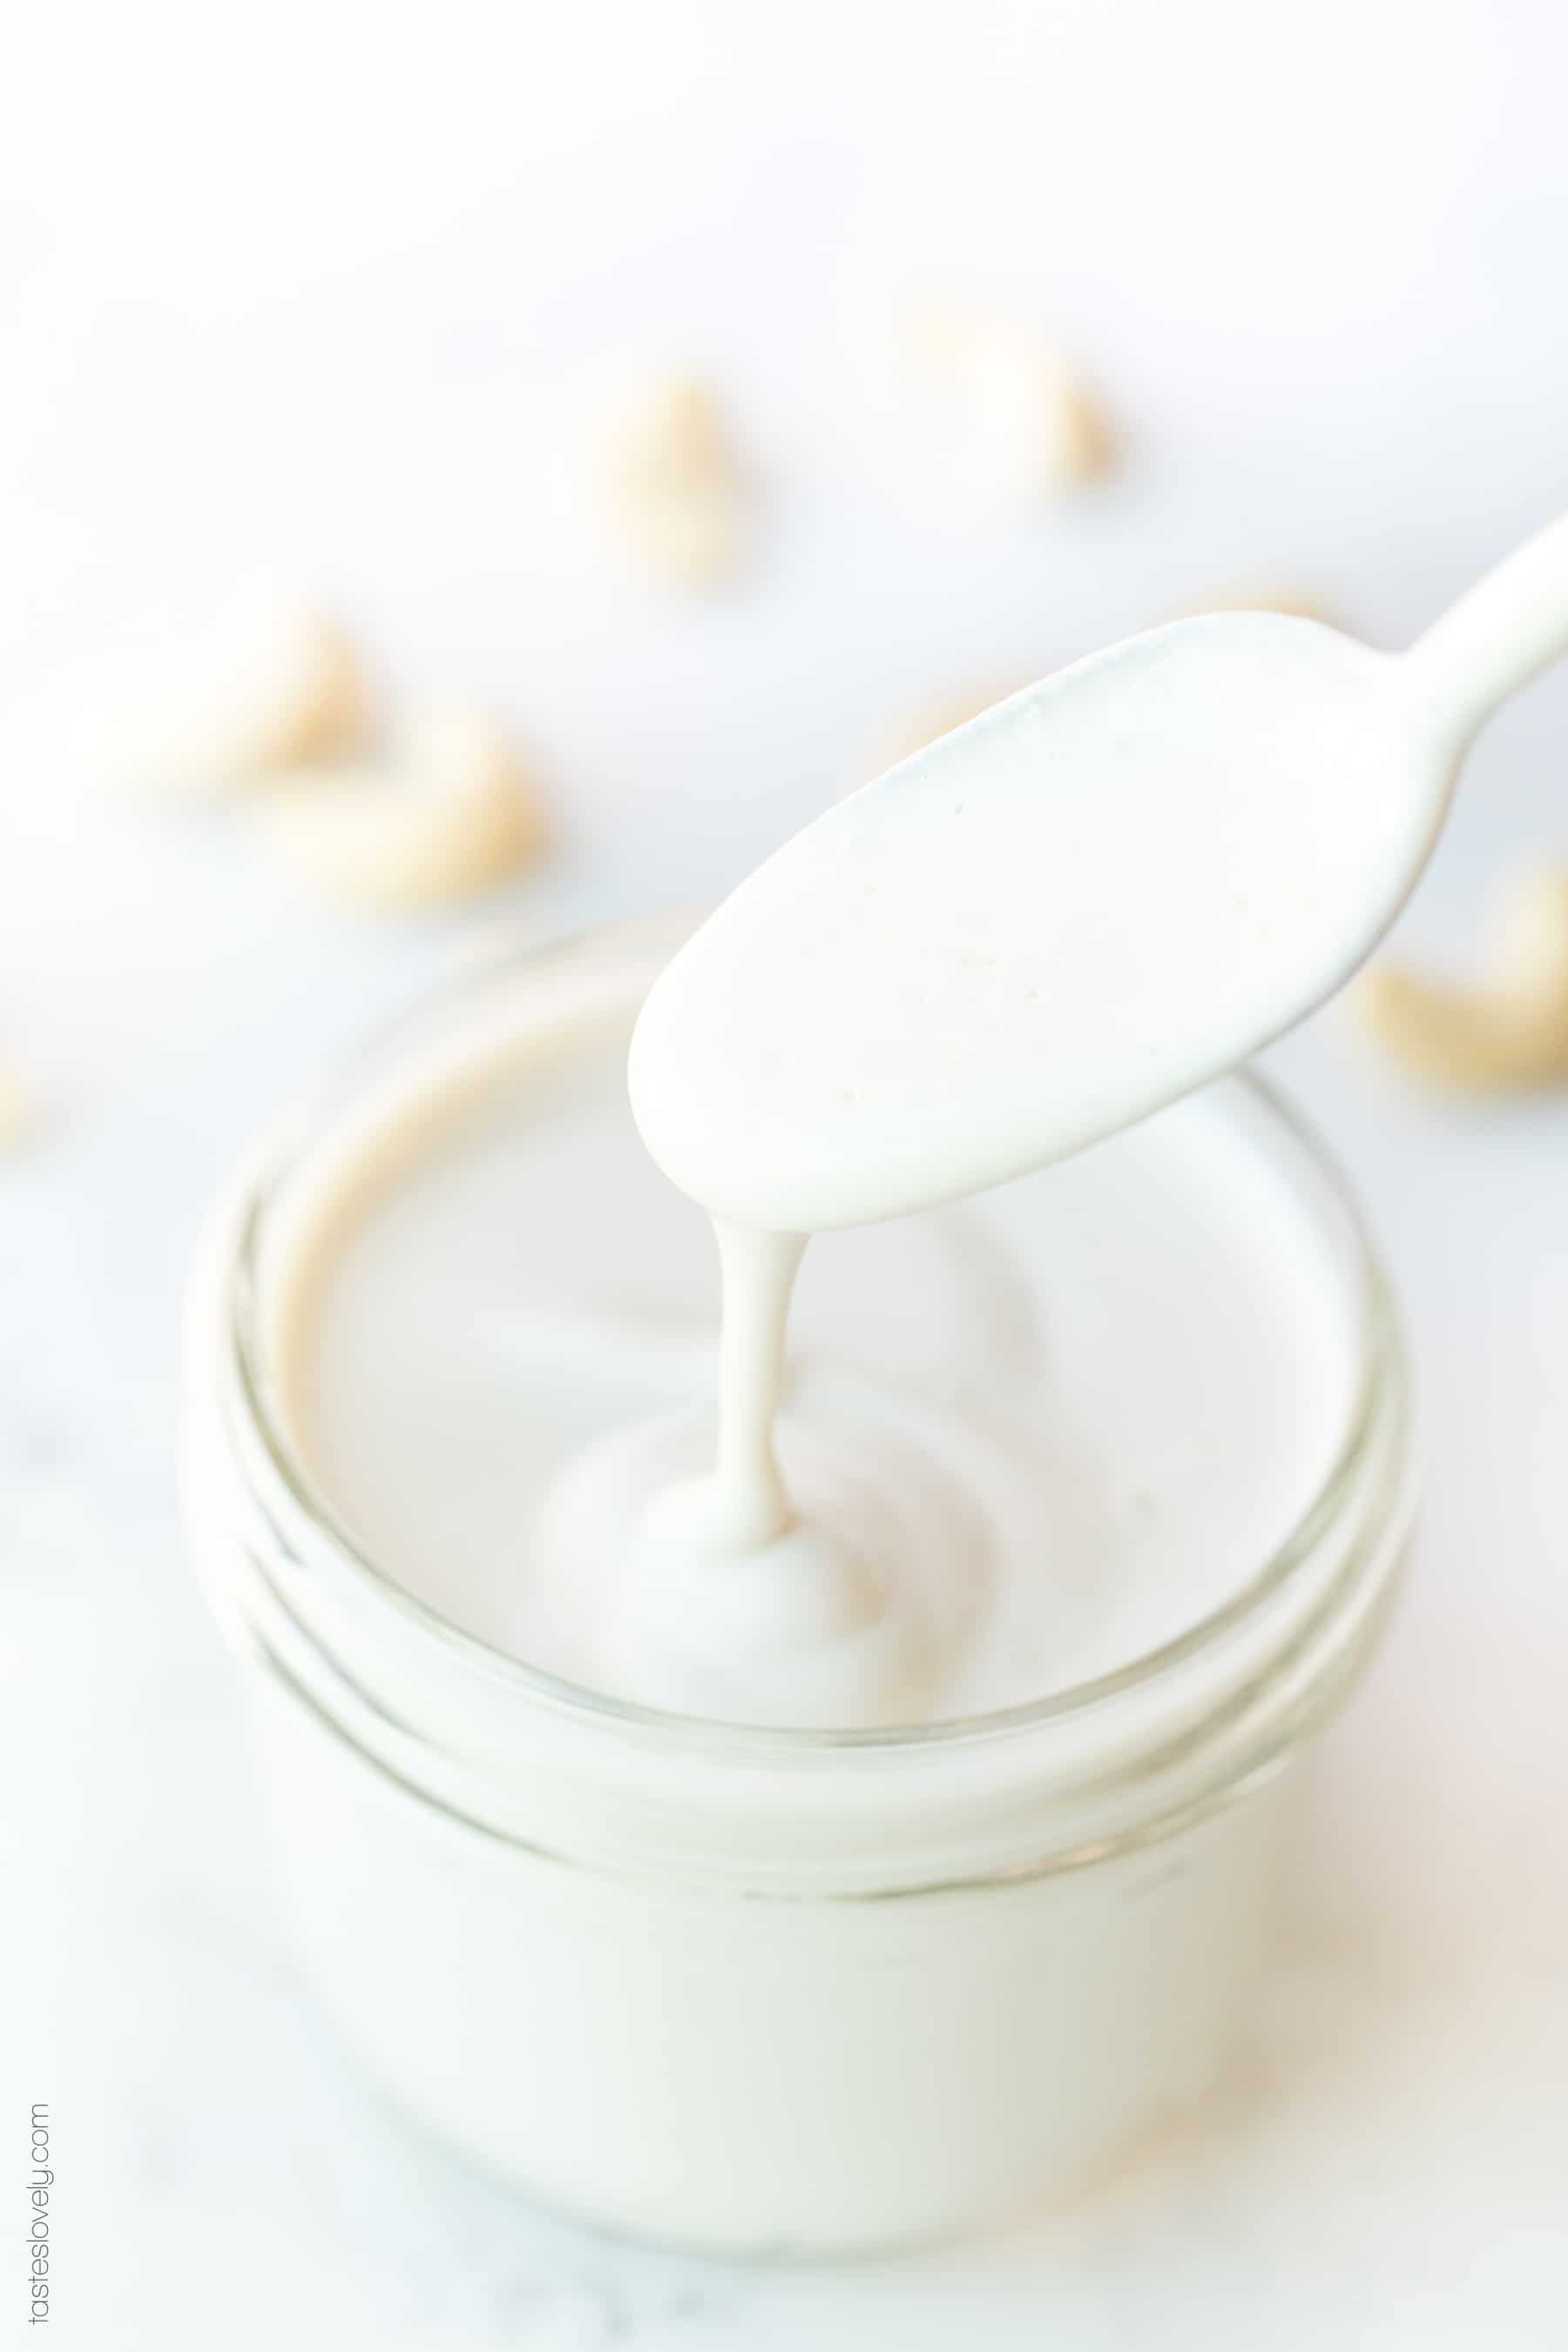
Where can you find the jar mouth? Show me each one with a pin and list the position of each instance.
(302, 1519)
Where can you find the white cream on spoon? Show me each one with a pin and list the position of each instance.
(1077, 907)
(1036, 930)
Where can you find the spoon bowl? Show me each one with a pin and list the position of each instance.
(1071, 910)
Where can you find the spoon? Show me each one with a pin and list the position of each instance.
(1071, 910)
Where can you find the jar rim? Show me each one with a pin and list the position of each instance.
(286, 1492)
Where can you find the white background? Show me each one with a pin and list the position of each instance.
(332, 293)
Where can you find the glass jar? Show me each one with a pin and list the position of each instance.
(765, 1991)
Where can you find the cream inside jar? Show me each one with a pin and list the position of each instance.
(1055, 1425)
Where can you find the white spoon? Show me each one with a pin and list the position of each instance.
(1071, 910)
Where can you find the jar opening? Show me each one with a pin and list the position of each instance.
(304, 1524)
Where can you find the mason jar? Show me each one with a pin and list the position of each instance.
(747, 1990)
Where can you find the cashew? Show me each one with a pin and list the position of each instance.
(1255, 596)
(288, 688)
(1022, 421)
(456, 816)
(678, 494)
(15, 1107)
(939, 719)
(1508, 1034)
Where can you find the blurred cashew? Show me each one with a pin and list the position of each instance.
(678, 495)
(286, 689)
(1508, 1032)
(16, 1108)
(939, 719)
(1023, 421)
(458, 815)
(1255, 596)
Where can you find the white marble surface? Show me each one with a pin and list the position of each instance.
(332, 308)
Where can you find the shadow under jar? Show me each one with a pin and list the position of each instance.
(746, 1989)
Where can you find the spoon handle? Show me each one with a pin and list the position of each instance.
(1505, 629)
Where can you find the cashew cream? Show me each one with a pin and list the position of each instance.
(778, 1912)
(1032, 1436)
